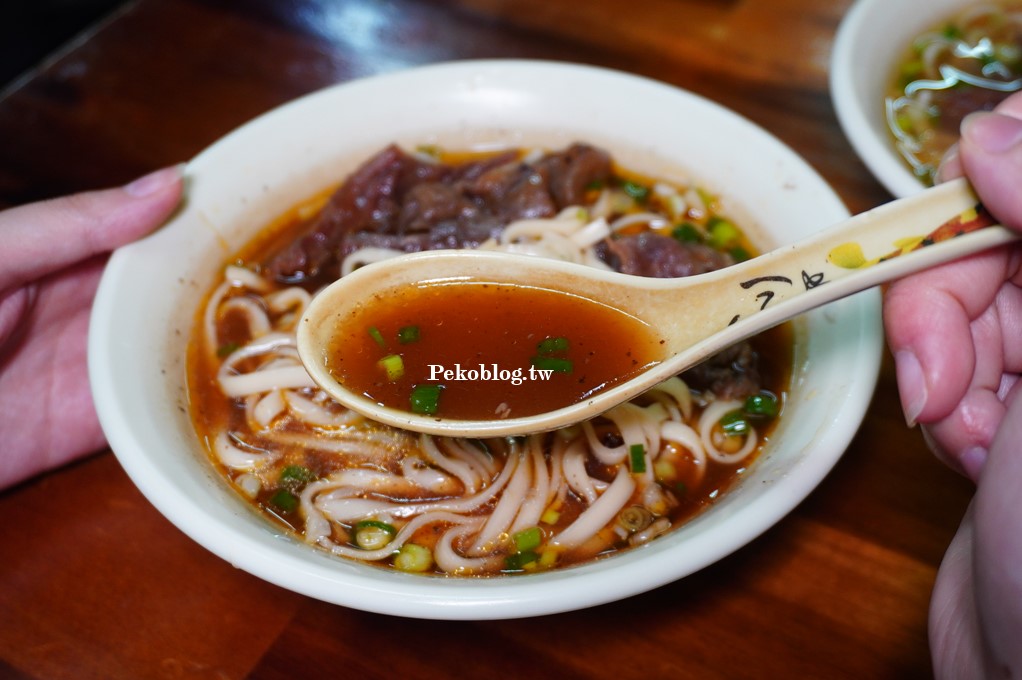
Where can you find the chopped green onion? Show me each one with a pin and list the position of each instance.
(904, 122)
(687, 232)
(519, 561)
(911, 70)
(635, 518)
(664, 470)
(431, 150)
(393, 365)
(723, 232)
(762, 404)
(528, 539)
(373, 535)
(706, 197)
(425, 399)
(548, 557)
(377, 336)
(734, 424)
(376, 524)
(637, 458)
(284, 500)
(551, 345)
(408, 334)
(594, 185)
(227, 349)
(638, 192)
(294, 476)
(739, 254)
(413, 557)
(555, 364)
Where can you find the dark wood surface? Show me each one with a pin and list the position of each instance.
(95, 583)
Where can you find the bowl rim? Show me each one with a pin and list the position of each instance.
(234, 533)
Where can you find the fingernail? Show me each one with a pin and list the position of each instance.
(992, 132)
(911, 385)
(972, 462)
(950, 166)
(154, 181)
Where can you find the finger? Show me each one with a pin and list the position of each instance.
(41, 238)
(927, 318)
(998, 551)
(1009, 316)
(961, 440)
(1012, 106)
(47, 416)
(991, 155)
(956, 639)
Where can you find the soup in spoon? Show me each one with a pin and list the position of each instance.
(473, 350)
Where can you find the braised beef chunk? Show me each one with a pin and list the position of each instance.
(956, 103)
(651, 254)
(571, 172)
(364, 202)
(730, 374)
(397, 200)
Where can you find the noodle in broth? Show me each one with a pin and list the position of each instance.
(454, 506)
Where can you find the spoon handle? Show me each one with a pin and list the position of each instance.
(874, 247)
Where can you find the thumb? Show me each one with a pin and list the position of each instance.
(40, 238)
(991, 154)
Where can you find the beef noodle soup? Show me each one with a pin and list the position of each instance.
(421, 503)
(970, 62)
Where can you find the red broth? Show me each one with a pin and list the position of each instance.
(476, 350)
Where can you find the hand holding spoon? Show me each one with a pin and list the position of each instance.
(695, 317)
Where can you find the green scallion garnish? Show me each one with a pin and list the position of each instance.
(551, 345)
(637, 458)
(284, 500)
(638, 192)
(393, 365)
(408, 334)
(723, 232)
(413, 557)
(375, 524)
(739, 254)
(425, 399)
(377, 336)
(373, 535)
(735, 424)
(294, 476)
(763, 404)
(528, 539)
(555, 364)
(518, 561)
(227, 349)
(686, 232)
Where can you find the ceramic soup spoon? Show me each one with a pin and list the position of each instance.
(688, 319)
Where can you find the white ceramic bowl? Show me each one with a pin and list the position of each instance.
(871, 38)
(150, 292)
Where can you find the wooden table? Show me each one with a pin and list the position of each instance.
(95, 583)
